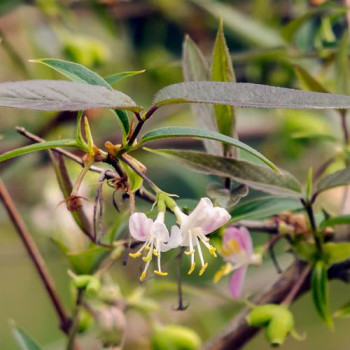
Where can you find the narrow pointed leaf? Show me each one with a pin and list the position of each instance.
(307, 81)
(242, 25)
(53, 95)
(38, 147)
(222, 70)
(319, 285)
(264, 207)
(80, 73)
(170, 132)
(74, 71)
(344, 311)
(195, 68)
(342, 65)
(334, 221)
(336, 252)
(248, 95)
(23, 339)
(256, 176)
(336, 179)
(115, 78)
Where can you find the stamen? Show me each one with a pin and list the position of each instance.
(135, 255)
(218, 276)
(204, 267)
(155, 252)
(147, 258)
(193, 266)
(160, 273)
(190, 252)
(212, 251)
(200, 252)
(143, 276)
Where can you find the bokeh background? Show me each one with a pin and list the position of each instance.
(111, 36)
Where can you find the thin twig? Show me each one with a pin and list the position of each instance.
(35, 256)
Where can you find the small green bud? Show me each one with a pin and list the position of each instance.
(85, 321)
(176, 338)
(89, 283)
(279, 327)
(261, 315)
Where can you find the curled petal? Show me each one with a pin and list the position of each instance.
(198, 214)
(243, 238)
(217, 217)
(237, 282)
(159, 231)
(174, 241)
(139, 226)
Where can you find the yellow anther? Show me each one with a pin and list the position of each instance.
(147, 248)
(231, 247)
(135, 255)
(143, 276)
(204, 267)
(147, 258)
(160, 273)
(193, 266)
(155, 252)
(190, 252)
(218, 276)
(212, 251)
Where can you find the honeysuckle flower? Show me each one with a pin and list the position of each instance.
(237, 251)
(194, 228)
(156, 237)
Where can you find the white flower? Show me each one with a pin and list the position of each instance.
(204, 219)
(156, 237)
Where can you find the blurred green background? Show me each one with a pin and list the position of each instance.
(111, 36)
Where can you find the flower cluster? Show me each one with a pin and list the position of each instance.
(191, 231)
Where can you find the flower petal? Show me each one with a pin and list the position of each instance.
(198, 214)
(160, 231)
(139, 226)
(237, 282)
(175, 239)
(242, 236)
(216, 218)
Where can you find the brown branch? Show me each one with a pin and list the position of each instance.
(35, 256)
(238, 333)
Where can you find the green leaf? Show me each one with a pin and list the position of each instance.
(195, 68)
(342, 65)
(319, 285)
(38, 147)
(344, 311)
(305, 135)
(53, 95)
(114, 78)
(336, 179)
(307, 251)
(222, 70)
(23, 339)
(79, 73)
(336, 252)
(264, 207)
(242, 25)
(256, 176)
(87, 261)
(74, 71)
(307, 81)
(309, 184)
(293, 26)
(337, 220)
(248, 95)
(176, 131)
